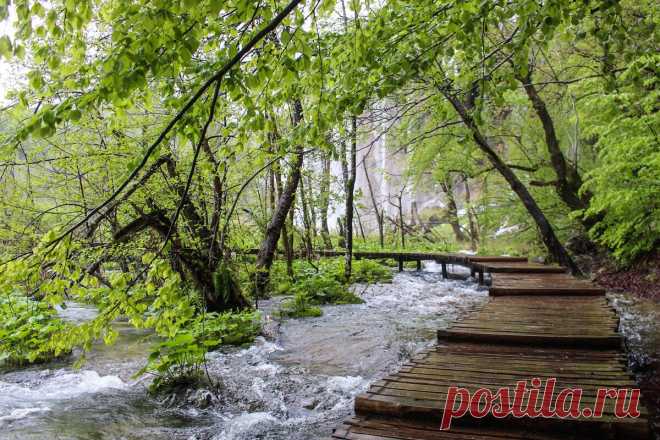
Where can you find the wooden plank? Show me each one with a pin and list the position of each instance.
(541, 284)
(507, 267)
(378, 428)
(553, 340)
(514, 351)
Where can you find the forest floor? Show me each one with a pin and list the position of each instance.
(642, 279)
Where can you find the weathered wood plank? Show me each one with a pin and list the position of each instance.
(541, 284)
(517, 267)
(552, 340)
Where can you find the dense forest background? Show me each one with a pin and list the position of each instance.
(149, 148)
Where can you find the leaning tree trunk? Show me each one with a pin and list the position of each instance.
(190, 264)
(359, 222)
(377, 212)
(568, 181)
(274, 229)
(350, 187)
(552, 243)
(276, 172)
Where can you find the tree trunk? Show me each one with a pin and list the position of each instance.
(269, 243)
(452, 209)
(401, 224)
(378, 213)
(190, 264)
(414, 214)
(568, 179)
(472, 217)
(218, 198)
(311, 204)
(350, 187)
(291, 228)
(324, 201)
(342, 234)
(359, 221)
(555, 248)
(306, 220)
(276, 172)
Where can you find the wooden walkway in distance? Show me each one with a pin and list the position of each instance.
(538, 322)
(478, 264)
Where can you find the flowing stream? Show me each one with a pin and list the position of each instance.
(297, 384)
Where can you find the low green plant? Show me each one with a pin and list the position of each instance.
(325, 288)
(299, 306)
(178, 361)
(318, 285)
(369, 271)
(26, 327)
(217, 329)
(323, 283)
(225, 283)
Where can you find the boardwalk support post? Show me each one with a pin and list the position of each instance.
(444, 270)
(473, 272)
(400, 264)
(481, 277)
(419, 265)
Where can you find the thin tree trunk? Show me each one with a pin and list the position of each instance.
(472, 218)
(401, 224)
(324, 201)
(414, 214)
(273, 193)
(276, 171)
(552, 243)
(311, 204)
(350, 187)
(342, 233)
(269, 243)
(452, 209)
(291, 228)
(288, 251)
(378, 213)
(306, 220)
(359, 220)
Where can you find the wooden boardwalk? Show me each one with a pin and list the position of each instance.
(538, 322)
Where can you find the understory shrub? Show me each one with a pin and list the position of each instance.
(626, 184)
(368, 271)
(26, 327)
(300, 306)
(178, 361)
(325, 284)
